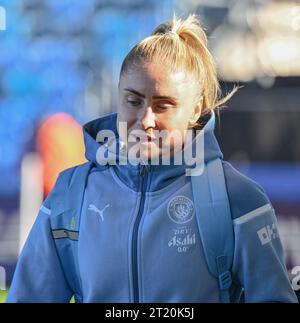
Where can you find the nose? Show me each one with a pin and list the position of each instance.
(148, 118)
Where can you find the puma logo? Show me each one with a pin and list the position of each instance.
(94, 208)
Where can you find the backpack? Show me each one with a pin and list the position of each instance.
(216, 228)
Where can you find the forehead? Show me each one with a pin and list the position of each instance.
(158, 79)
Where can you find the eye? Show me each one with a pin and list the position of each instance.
(163, 107)
(133, 103)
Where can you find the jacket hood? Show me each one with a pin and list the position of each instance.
(107, 150)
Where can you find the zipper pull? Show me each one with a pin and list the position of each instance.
(142, 172)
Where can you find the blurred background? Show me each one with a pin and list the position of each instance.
(59, 68)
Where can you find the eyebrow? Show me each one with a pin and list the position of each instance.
(154, 96)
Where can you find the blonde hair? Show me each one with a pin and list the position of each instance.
(182, 43)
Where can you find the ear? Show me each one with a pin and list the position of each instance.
(196, 113)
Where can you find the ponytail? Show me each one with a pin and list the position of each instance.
(182, 43)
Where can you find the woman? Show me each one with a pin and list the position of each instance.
(130, 225)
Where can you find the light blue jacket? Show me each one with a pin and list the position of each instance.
(128, 246)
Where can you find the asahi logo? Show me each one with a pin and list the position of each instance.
(182, 242)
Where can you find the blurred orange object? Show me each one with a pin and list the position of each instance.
(60, 144)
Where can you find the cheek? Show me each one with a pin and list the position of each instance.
(124, 113)
(127, 117)
(178, 120)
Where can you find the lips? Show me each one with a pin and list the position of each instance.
(143, 138)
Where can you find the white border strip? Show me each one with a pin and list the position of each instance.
(45, 210)
(253, 214)
(2, 18)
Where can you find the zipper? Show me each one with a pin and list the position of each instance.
(143, 186)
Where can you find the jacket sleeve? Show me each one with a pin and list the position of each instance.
(259, 257)
(39, 276)
(259, 262)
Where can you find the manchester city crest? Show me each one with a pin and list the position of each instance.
(181, 209)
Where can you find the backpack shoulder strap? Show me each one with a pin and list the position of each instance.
(70, 183)
(66, 203)
(215, 223)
